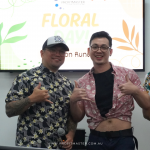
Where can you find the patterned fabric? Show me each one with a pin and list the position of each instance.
(122, 108)
(146, 84)
(38, 125)
(58, 39)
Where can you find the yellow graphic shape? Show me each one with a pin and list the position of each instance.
(129, 40)
(132, 7)
(134, 61)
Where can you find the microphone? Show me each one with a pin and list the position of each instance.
(61, 133)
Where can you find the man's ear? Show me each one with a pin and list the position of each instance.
(88, 51)
(42, 52)
(111, 51)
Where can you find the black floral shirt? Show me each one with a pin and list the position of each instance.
(38, 125)
(146, 84)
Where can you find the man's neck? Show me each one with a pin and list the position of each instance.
(50, 69)
(102, 68)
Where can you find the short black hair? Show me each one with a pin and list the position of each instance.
(101, 34)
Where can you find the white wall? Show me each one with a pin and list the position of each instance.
(141, 126)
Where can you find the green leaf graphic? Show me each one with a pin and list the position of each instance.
(1, 26)
(16, 27)
(15, 39)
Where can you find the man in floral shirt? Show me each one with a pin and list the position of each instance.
(106, 95)
(41, 98)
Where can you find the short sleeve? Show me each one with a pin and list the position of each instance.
(136, 81)
(146, 84)
(19, 89)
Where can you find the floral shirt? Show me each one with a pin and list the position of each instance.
(38, 125)
(147, 83)
(122, 107)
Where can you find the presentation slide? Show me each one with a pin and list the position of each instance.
(26, 24)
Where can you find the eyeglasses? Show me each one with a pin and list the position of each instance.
(102, 48)
(54, 51)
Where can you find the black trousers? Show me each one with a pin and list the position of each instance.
(106, 141)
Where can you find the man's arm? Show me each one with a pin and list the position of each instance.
(15, 108)
(146, 114)
(77, 110)
(141, 97)
(143, 100)
(76, 103)
(71, 125)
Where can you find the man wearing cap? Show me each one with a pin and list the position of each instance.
(41, 96)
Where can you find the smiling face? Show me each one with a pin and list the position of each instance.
(53, 58)
(99, 57)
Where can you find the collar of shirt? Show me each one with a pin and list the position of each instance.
(114, 70)
(46, 70)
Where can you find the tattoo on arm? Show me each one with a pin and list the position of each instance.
(17, 107)
(71, 125)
